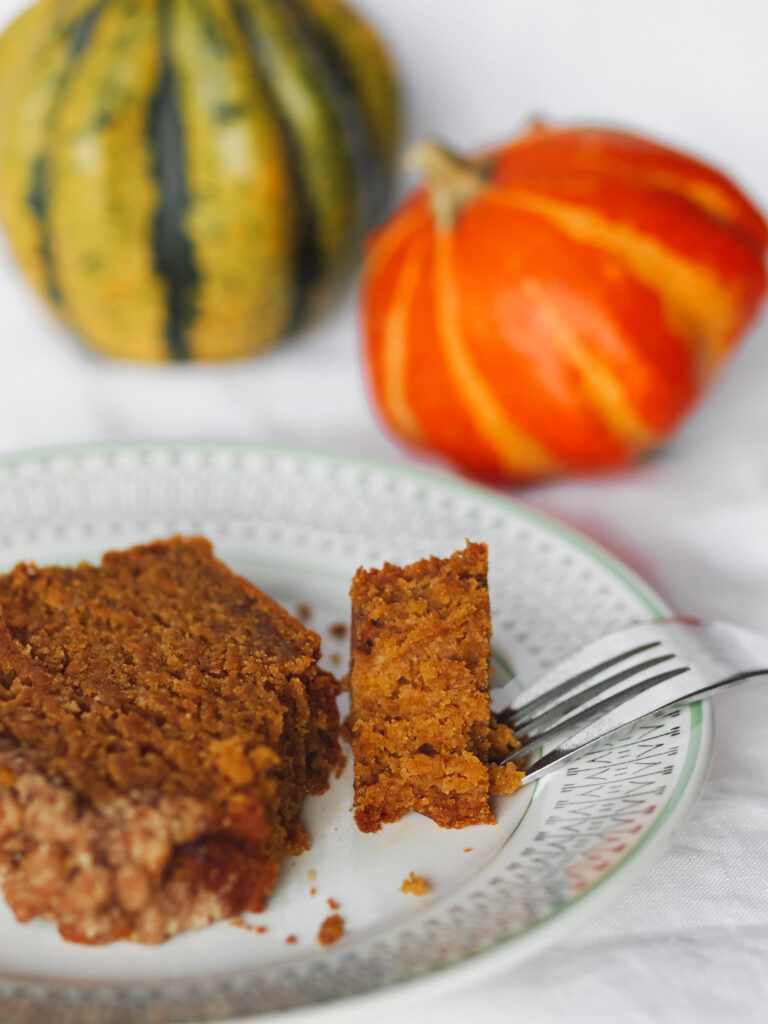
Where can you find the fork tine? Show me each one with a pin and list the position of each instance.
(598, 719)
(713, 657)
(541, 723)
(525, 712)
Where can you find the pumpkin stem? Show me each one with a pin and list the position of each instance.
(451, 180)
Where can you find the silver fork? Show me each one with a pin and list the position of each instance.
(623, 677)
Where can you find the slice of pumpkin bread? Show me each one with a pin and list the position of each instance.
(423, 736)
(161, 721)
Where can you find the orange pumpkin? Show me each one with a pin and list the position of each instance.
(557, 304)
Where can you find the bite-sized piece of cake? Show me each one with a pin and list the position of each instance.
(161, 721)
(422, 731)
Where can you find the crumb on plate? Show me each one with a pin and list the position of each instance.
(238, 922)
(331, 930)
(416, 885)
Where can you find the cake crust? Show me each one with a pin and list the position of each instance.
(161, 720)
(422, 731)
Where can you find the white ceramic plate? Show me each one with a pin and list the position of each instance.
(299, 524)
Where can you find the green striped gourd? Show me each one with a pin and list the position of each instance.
(185, 179)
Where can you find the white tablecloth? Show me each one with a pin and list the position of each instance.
(690, 941)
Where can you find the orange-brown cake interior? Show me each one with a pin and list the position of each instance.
(422, 730)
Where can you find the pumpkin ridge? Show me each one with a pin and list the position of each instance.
(103, 196)
(713, 315)
(599, 382)
(707, 196)
(628, 158)
(79, 33)
(370, 67)
(516, 450)
(173, 252)
(308, 262)
(394, 351)
(242, 215)
(370, 172)
(585, 324)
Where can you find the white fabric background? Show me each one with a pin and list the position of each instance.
(690, 941)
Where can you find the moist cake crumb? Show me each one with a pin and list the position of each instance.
(333, 904)
(161, 720)
(338, 630)
(331, 930)
(423, 736)
(416, 885)
(304, 612)
(291, 940)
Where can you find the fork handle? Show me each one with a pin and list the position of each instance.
(726, 684)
